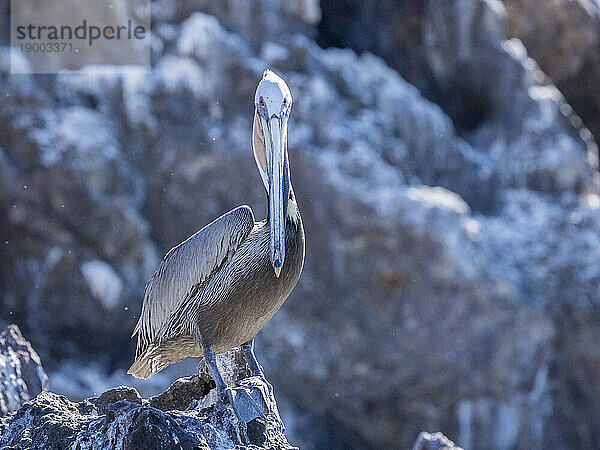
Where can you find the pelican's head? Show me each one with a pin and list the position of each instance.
(272, 106)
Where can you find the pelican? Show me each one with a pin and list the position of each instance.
(217, 289)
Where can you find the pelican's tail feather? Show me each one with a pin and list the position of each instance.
(148, 363)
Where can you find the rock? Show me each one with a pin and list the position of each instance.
(564, 38)
(433, 441)
(257, 22)
(181, 394)
(561, 36)
(21, 374)
(181, 417)
(100, 404)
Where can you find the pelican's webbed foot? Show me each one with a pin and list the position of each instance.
(244, 403)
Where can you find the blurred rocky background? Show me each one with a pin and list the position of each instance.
(444, 158)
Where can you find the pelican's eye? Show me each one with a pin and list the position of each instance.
(287, 106)
(262, 103)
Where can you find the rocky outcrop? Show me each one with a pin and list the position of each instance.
(187, 415)
(433, 441)
(120, 418)
(21, 374)
(451, 210)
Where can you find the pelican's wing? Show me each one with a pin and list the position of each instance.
(187, 265)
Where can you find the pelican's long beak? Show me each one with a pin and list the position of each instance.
(275, 131)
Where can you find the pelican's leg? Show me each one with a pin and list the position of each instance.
(255, 369)
(211, 362)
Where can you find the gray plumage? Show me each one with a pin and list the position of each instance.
(219, 286)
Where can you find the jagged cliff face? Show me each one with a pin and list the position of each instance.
(452, 215)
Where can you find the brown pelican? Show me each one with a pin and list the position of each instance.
(218, 288)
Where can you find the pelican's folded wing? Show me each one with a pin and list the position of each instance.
(186, 265)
